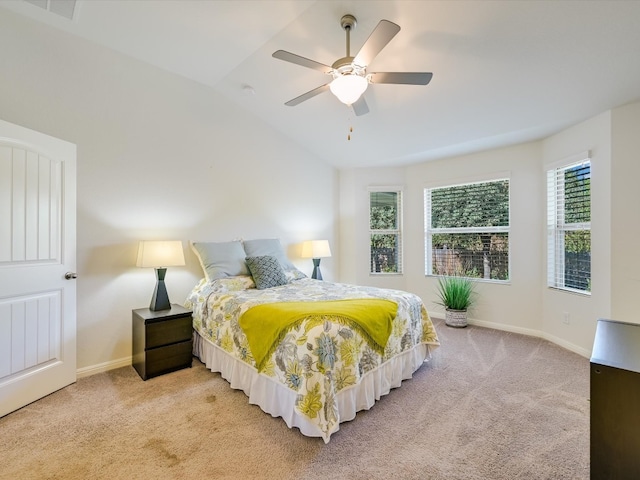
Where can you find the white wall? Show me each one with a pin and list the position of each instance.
(525, 304)
(163, 157)
(625, 217)
(159, 157)
(584, 310)
(515, 306)
(354, 224)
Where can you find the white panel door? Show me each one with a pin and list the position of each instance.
(37, 251)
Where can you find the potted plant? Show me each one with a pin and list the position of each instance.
(456, 295)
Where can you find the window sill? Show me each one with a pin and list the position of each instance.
(569, 291)
(476, 279)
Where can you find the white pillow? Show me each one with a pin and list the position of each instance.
(220, 260)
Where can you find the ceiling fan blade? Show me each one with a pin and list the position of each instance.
(298, 60)
(407, 78)
(360, 107)
(308, 95)
(381, 35)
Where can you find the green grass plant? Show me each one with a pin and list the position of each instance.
(456, 293)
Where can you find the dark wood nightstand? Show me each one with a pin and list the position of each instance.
(162, 340)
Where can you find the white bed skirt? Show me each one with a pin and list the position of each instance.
(279, 401)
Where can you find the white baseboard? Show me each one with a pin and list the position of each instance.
(103, 367)
(527, 331)
(506, 328)
(569, 346)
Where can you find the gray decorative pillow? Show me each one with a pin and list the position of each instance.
(220, 260)
(266, 271)
(272, 247)
(267, 246)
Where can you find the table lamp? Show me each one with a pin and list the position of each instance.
(160, 255)
(316, 249)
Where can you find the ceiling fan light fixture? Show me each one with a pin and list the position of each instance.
(348, 87)
(350, 77)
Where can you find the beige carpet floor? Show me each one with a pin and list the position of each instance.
(489, 405)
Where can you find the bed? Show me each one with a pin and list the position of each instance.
(312, 352)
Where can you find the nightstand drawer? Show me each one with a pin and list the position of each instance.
(167, 359)
(162, 340)
(168, 332)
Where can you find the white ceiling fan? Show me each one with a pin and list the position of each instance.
(350, 77)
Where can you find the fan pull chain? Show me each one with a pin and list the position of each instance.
(349, 134)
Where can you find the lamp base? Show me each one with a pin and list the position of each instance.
(317, 274)
(160, 298)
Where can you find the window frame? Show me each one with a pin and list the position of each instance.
(556, 227)
(398, 231)
(429, 232)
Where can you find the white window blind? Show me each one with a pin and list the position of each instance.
(467, 230)
(569, 227)
(385, 231)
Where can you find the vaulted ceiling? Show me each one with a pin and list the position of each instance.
(504, 72)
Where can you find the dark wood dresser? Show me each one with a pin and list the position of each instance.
(615, 401)
(162, 340)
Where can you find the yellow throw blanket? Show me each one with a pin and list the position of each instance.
(266, 325)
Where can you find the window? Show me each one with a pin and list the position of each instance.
(385, 230)
(467, 230)
(569, 227)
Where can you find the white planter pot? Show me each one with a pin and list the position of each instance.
(456, 318)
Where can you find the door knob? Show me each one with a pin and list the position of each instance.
(70, 275)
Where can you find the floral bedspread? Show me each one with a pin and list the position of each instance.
(318, 357)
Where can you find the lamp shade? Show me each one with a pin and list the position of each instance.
(157, 254)
(316, 249)
(348, 87)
